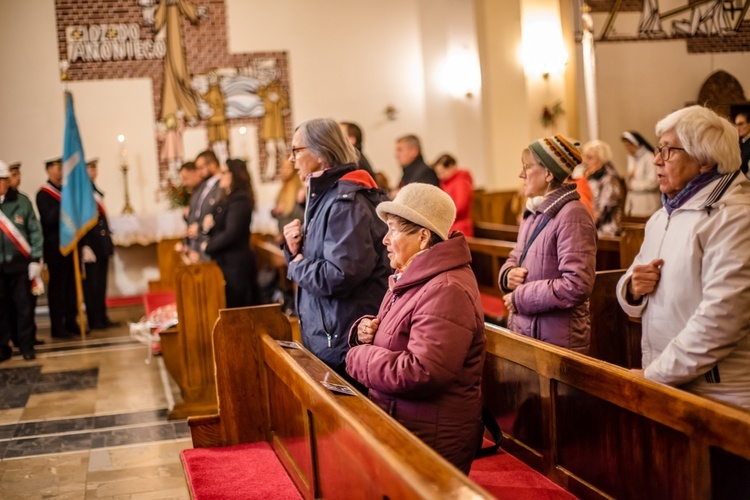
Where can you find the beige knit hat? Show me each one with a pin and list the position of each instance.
(423, 204)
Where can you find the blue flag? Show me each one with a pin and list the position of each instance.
(78, 211)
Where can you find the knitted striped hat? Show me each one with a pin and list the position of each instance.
(558, 154)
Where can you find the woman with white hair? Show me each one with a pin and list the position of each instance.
(606, 186)
(690, 283)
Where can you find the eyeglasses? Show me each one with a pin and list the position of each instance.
(666, 151)
(296, 150)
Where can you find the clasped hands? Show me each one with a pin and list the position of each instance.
(516, 277)
(366, 330)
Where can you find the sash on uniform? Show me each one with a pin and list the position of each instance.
(99, 199)
(15, 236)
(51, 190)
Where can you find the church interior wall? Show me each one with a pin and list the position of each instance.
(640, 82)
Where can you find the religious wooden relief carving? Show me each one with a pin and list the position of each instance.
(707, 25)
(197, 84)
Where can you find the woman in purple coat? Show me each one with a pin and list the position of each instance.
(549, 275)
(421, 357)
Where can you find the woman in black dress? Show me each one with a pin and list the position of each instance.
(228, 229)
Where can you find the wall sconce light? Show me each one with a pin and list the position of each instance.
(542, 49)
(460, 75)
(391, 112)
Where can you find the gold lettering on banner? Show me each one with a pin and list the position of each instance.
(111, 42)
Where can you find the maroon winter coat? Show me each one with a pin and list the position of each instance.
(424, 366)
(552, 304)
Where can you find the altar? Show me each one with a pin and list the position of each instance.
(135, 237)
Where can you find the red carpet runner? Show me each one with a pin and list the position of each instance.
(252, 471)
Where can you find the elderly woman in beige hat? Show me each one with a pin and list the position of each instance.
(421, 357)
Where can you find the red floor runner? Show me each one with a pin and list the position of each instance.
(242, 472)
(252, 471)
(127, 300)
(507, 477)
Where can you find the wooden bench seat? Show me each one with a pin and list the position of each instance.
(331, 445)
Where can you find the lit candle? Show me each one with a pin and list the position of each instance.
(123, 149)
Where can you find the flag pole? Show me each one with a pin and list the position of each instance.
(79, 294)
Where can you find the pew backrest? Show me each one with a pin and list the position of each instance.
(600, 431)
(167, 260)
(331, 445)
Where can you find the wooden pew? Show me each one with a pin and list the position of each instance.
(167, 260)
(601, 432)
(331, 445)
(631, 239)
(615, 338)
(498, 207)
(613, 252)
(187, 349)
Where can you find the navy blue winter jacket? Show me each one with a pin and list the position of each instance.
(345, 269)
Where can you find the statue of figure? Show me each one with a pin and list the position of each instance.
(275, 100)
(217, 122)
(176, 94)
(172, 150)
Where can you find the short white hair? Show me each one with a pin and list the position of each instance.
(706, 136)
(600, 148)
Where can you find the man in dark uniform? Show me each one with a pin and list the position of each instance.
(20, 251)
(61, 288)
(95, 254)
(15, 183)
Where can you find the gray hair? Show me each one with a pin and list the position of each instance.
(412, 141)
(706, 136)
(325, 140)
(600, 148)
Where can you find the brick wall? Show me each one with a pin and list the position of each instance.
(734, 42)
(606, 5)
(205, 45)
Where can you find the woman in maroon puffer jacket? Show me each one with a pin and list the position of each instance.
(421, 357)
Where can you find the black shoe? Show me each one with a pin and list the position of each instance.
(5, 353)
(112, 324)
(28, 356)
(38, 342)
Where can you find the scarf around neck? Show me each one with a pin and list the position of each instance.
(696, 184)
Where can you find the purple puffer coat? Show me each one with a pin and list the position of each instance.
(552, 304)
(425, 364)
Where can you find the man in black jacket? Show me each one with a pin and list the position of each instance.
(61, 287)
(409, 156)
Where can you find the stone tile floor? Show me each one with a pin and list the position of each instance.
(87, 420)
